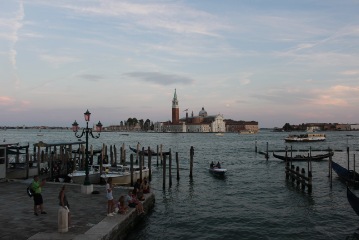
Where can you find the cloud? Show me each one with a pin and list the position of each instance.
(344, 90)
(91, 77)
(245, 78)
(173, 17)
(337, 96)
(6, 101)
(16, 25)
(350, 73)
(58, 60)
(13, 105)
(330, 100)
(160, 78)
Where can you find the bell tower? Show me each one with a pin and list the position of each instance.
(175, 109)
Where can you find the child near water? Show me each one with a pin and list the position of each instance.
(121, 205)
(110, 202)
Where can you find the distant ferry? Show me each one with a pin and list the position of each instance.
(310, 137)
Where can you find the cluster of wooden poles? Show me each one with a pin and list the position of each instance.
(298, 177)
(161, 159)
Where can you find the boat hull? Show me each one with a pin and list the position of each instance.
(349, 177)
(353, 201)
(310, 137)
(124, 178)
(79, 177)
(219, 172)
(319, 157)
(117, 178)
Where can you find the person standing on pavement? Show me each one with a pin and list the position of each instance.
(36, 186)
(63, 202)
(110, 201)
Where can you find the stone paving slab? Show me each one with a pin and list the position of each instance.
(17, 220)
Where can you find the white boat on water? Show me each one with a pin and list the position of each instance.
(220, 172)
(94, 174)
(79, 176)
(122, 176)
(309, 137)
(118, 178)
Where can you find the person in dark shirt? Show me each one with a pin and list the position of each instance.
(218, 165)
(63, 202)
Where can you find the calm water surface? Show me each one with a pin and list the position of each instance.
(254, 201)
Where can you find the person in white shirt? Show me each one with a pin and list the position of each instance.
(110, 202)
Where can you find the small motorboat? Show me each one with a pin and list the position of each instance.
(218, 171)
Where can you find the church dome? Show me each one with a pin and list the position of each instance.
(203, 113)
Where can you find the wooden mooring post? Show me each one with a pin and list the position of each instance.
(131, 168)
(177, 164)
(169, 163)
(164, 171)
(331, 171)
(149, 165)
(298, 176)
(157, 154)
(137, 152)
(170, 169)
(191, 162)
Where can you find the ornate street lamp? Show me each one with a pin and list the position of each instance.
(87, 131)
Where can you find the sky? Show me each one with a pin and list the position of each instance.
(275, 62)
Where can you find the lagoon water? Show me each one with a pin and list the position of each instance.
(254, 201)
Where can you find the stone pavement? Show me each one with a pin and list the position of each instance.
(88, 213)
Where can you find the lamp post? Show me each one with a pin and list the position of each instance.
(87, 131)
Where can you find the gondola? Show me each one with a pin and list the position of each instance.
(319, 157)
(79, 151)
(348, 176)
(146, 153)
(353, 201)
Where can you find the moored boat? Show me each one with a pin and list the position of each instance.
(319, 157)
(122, 175)
(350, 177)
(79, 177)
(146, 153)
(118, 178)
(309, 137)
(353, 201)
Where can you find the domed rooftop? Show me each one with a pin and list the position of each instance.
(203, 113)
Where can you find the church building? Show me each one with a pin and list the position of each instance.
(200, 123)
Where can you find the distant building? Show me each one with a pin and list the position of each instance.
(313, 128)
(241, 126)
(354, 127)
(201, 123)
(343, 127)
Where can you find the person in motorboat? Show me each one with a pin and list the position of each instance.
(218, 165)
(211, 165)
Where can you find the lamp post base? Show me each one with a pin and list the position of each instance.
(87, 189)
